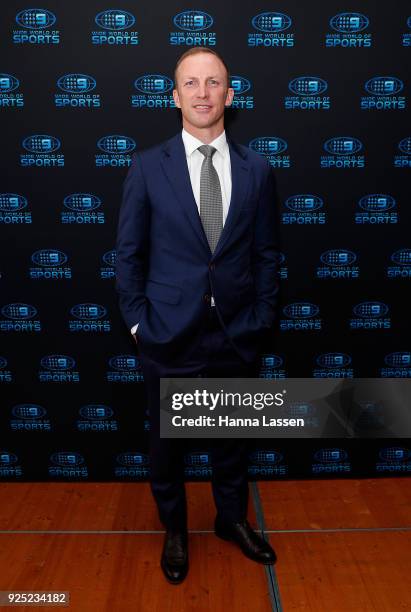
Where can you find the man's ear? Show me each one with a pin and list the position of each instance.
(176, 98)
(230, 96)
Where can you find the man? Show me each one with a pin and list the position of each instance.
(196, 277)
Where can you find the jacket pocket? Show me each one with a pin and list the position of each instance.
(162, 292)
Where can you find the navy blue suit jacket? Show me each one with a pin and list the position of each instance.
(165, 271)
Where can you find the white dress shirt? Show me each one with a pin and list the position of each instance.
(221, 162)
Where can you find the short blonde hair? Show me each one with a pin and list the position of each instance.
(195, 51)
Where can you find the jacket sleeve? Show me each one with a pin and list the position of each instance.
(264, 255)
(132, 244)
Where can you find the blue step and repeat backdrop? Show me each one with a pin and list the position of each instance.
(322, 91)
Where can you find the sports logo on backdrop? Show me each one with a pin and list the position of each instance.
(193, 29)
(37, 24)
(114, 29)
(272, 148)
(50, 264)
(67, 464)
(89, 318)
(12, 209)
(394, 459)
(376, 209)
(197, 465)
(406, 37)
(348, 31)
(19, 317)
(9, 465)
(301, 316)
(264, 462)
(403, 157)
(133, 465)
(6, 375)
(41, 152)
(9, 96)
(400, 264)
(116, 151)
(330, 461)
(77, 88)
(83, 209)
(96, 417)
(124, 369)
(308, 94)
(333, 365)
(370, 315)
(271, 30)
(29, 417)
(342, 152)
(108, 269)
(383, 94)
(58, 369)
(154, 92)
(241, 86)
(397, 365)
(304, 209)
(281, 266)
(272, 366)
(338, 263)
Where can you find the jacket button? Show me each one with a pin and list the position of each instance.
(207, 298)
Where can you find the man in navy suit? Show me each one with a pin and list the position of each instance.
(196, 277)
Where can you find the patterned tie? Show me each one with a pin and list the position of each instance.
(211, 202)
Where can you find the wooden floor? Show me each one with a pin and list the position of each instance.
(343, 545)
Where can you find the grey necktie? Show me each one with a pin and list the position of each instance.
(211, 202)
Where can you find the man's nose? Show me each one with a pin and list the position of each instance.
(202, 90)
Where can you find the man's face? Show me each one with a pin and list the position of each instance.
(202, 91)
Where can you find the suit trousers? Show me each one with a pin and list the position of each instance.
(211, 355)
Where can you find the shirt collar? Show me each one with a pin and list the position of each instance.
(191, 143)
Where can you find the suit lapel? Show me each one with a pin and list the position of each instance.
(240, 178)
(174, 163)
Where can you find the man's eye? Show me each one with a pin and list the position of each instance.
(189, 82)
(213, 82)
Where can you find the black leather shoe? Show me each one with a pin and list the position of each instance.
(252, 545)
(174, 558)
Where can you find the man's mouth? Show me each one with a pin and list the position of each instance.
(202, 106)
